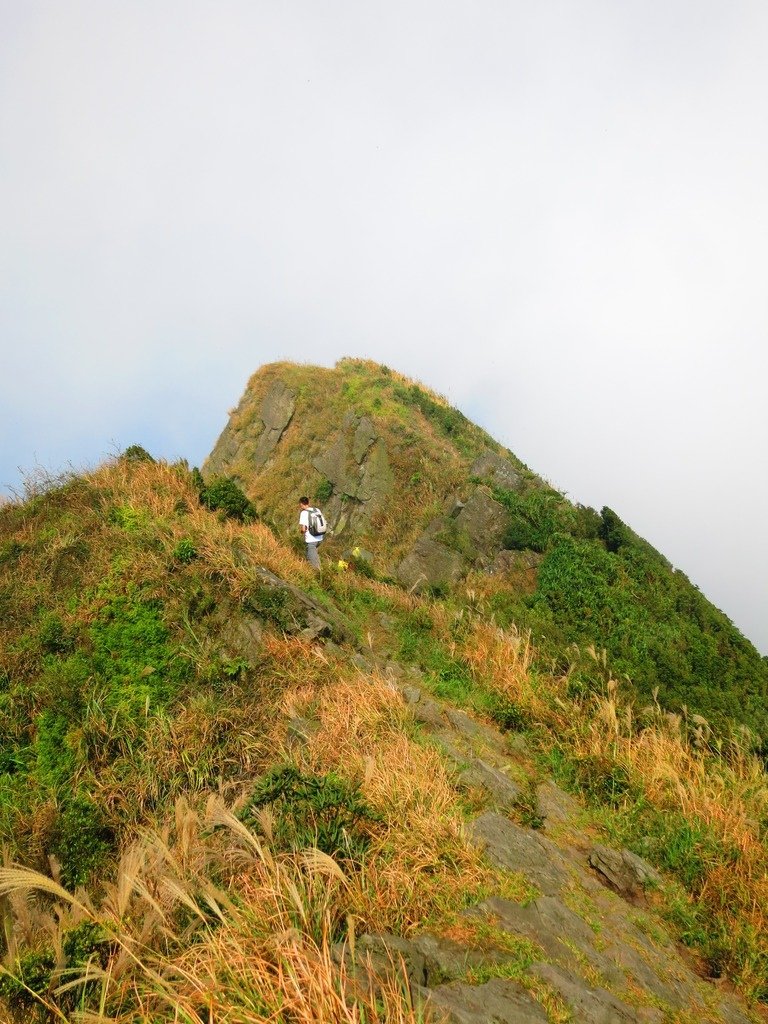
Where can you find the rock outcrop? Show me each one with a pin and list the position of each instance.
(356, 465)
(471, 536)
(254, 446)
(497, 471)
(581, 945)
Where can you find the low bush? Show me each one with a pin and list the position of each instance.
(323, 811)
(535, 518)
(55, 638)
(224, 495)
(28, 978)
(185, 551)
(135, 453)
(82, 840)
(324, 490)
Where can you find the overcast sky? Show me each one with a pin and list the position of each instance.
(555, 213)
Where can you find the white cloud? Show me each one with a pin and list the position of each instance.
(555, 213)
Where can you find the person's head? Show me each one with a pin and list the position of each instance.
(304, 501)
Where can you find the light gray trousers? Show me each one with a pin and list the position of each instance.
(313, 556)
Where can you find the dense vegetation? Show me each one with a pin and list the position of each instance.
(600, 584)
(111, 614)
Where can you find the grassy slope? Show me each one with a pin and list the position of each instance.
(125, 701)
(95, 594)
(115, 589)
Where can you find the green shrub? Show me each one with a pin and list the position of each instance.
(128, 518)
(185, 551)
(324, 811)
(224, 495)
(612, 532)
(135, 453)
(10, 551)
(587, 523)
(535, 518)
(272, 603)
(449, 420)
(323, 491)
(85, 943)
(82, 840)
(54, 637)
(31, 975)
(55, 759)
(129, 637)
(659, 631)
(363, 567)
(506, 713)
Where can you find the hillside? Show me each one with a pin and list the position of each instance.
(432, 500)
(234, 791)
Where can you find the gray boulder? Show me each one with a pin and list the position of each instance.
(500, 788)
(499, 1000)
(483, 521)
(588, 1005)
(429, 564)
(554, 805)
(625, 872)
(496, 470)
(518, 849)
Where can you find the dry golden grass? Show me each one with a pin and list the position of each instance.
(674, 769)
(502, 659)
(727, 792)
(420, 861)
(255, 946)
(207, 923)
(228, 548)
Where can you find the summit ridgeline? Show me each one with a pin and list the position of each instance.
(497, 761)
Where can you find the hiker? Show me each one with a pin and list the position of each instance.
(312, 525)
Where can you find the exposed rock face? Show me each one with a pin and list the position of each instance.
(483, 521)
(470, 536)
(578, 946)
(623, 870)
(496, 470)
(499, 1000)
(275, 413)
(430, 564)
(554, 806)
(519, 849)
(277, 409)
(590, 1005)
(357, 466)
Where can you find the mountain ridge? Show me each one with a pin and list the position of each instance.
(234, 789)
(365, 441)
